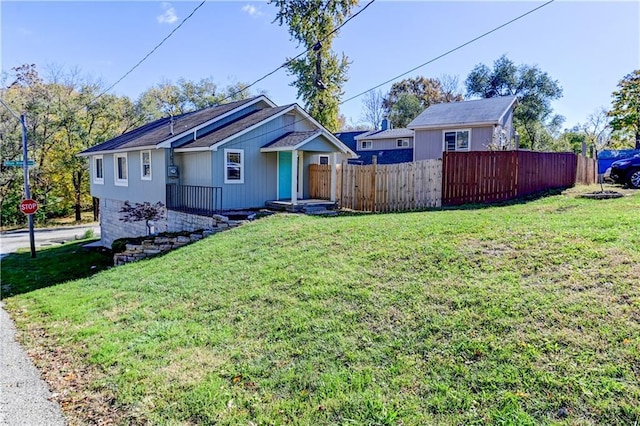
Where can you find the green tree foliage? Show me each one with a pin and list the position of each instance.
(64, 117)
(625, 110)
(320, 73)
(167, 98)
(406, 108)
(534, 88)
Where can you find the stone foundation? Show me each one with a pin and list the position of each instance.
(112, 228)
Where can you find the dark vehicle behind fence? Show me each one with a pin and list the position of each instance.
(626, 171)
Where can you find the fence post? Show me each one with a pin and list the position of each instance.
(374, 166)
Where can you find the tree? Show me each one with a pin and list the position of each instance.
(625, 110)
(373, 108)
(597, 129)
(427, 90)
(405, 109)
(534, 88)
(143, 211)
(167, 98)
(320, 73)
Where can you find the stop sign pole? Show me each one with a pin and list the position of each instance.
(27, 192)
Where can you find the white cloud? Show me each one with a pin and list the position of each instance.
(169, 16)
(251, 10)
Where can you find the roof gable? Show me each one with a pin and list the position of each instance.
(464, 113)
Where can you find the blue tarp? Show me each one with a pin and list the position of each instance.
(608, 156)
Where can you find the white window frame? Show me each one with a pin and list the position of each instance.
(96, 179)
(366, 144)
(116, 179)
(320, 157)
(402, 143)
(444, 141)
(142, 176)
(241, 164)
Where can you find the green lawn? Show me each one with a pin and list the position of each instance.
(513, 315)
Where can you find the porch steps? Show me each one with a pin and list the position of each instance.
(312, 207)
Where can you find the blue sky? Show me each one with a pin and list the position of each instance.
(587, 46)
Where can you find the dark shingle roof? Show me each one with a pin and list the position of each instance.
(158, 131)
(464, 113)
(348, 138)
(386, 134)
(233, 127)
(291, 139)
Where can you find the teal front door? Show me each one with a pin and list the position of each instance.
(284, 175)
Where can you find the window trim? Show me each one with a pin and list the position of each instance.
(444, 141)
(116, 180)
(142, 176)
(402, 143)
(367, 142)
(226, 175)
(320, 157)
(96, 179)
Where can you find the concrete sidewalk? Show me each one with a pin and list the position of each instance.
(24, 396)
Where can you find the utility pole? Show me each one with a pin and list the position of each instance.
(25, 165)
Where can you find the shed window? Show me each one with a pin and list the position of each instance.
(366, 145)
(234, 166)
(323, 159)
(457, 140)
(402, 143)
(145, 165)
(120, 172)
(98, 169)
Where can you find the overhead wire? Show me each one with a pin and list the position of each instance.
(449, 51)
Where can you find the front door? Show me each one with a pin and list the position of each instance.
(284, 175)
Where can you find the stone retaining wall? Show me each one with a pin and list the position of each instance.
(154, 245)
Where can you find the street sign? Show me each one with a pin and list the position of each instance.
(13, 163)
(28, 206)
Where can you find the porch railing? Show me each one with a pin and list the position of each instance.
(198, 200)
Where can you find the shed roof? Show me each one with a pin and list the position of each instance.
(478, 111)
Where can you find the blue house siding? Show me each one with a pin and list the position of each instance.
(389, 156)
(137, 190)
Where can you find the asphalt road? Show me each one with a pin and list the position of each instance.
(13, 240)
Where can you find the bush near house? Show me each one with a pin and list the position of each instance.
(518, 314)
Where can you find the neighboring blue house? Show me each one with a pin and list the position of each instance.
(232, 156)
(475, 125)
(389, 145)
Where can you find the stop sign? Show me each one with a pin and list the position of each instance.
(28, 206)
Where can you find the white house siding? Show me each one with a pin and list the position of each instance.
(137, 189)
(481, 138)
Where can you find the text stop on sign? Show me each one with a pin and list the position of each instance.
(28, 206)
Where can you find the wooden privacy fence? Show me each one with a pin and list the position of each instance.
(460, 178)
(490, 176)
(381, 188)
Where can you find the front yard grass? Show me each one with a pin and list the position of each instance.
(512, 315)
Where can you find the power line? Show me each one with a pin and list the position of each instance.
(299, 55)
(449, 51)
(150, 52)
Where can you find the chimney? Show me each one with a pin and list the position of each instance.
(171, 125)
(386, 124)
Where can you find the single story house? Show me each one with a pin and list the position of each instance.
(475, 125)
(389, 145)
(232, 156)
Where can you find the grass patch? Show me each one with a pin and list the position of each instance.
(52, 265)
(520, 314)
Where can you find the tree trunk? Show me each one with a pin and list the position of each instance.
(96, 209)
(77, 185)
(638, 139)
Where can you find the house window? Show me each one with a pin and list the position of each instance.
(366, 145)
(234, 166)
(98, 169)
(145, 165)
(120, 172)
(402, 143)
(457, 140)
(323, 159)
